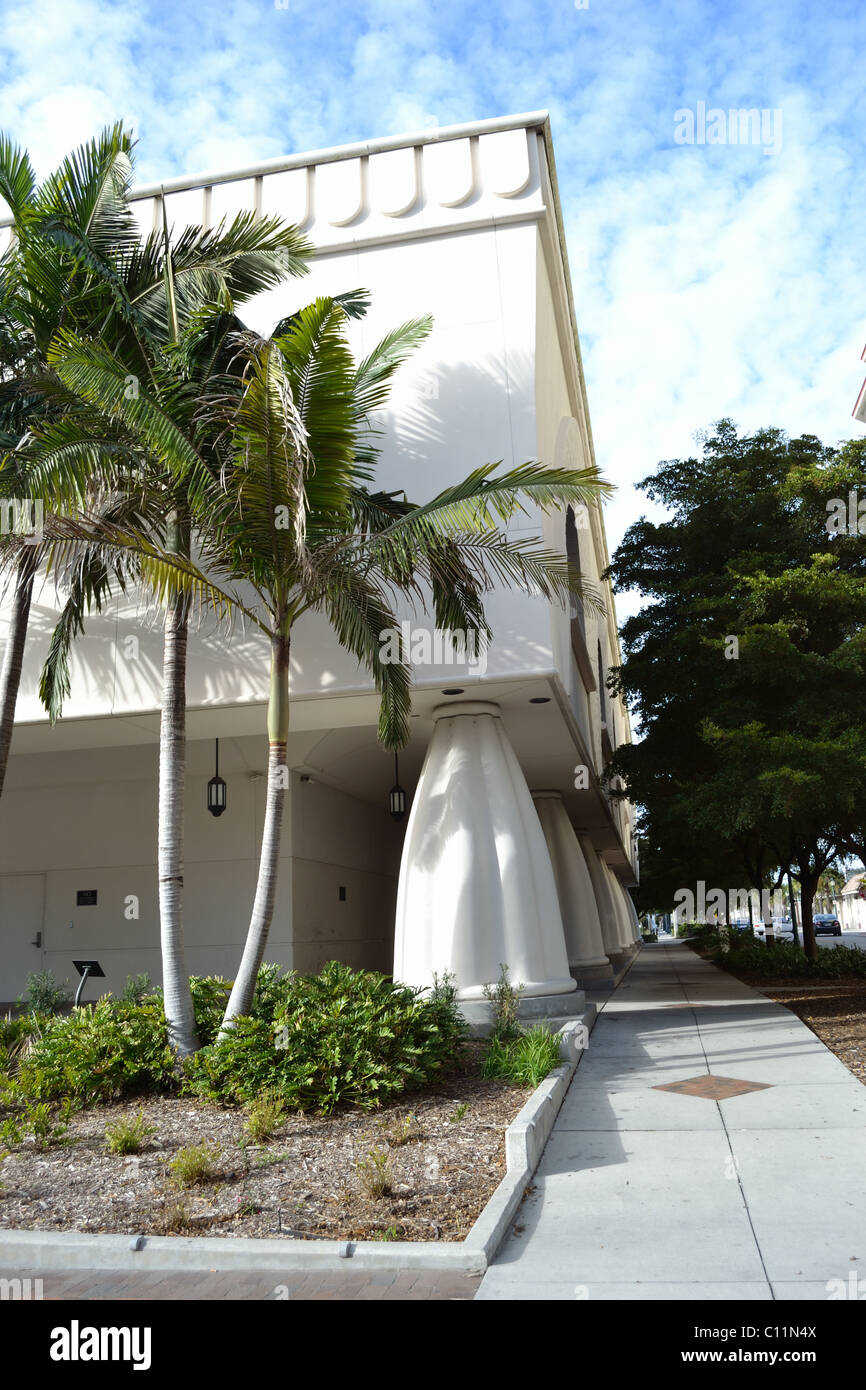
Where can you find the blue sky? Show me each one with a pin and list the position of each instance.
(710, 279)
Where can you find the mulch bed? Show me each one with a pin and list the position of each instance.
(304, 1183)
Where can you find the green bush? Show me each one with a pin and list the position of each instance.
(14, 1033)
(44, 995)
(744, 952)
(342, 1037)
(210, 994)
(525, 1060)
(99, 1052)
(139, 987)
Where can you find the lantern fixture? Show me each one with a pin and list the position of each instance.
(216, 788)
(397, 796)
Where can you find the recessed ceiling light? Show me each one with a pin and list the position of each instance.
(540, 700)
(453, 690)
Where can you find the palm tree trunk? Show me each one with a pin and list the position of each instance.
(241, 998)
(13, 659)
(179, 1014)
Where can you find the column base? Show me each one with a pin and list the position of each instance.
(593, 976)
(536, 1009)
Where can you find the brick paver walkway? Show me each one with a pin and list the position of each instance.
(362, 1285)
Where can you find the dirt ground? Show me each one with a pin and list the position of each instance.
(440, 1154)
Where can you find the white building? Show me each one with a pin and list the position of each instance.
(850, 905)
(463, 223)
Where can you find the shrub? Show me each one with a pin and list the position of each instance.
(525, 1060)
(210, 994)
(44, 995)
(99, 1052)
(14, 1041)
(786, 958)
(139, 987)
(196, 1163)
(128, 1134)
(340, 1037)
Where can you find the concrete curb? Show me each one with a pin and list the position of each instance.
(525, 1138)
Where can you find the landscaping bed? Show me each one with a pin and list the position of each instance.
(443, 1157)
(344, 1106)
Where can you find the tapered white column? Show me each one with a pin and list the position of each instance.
(632, 912)
(603, 897)
(626, 931)
(580, 919)
(476, 884)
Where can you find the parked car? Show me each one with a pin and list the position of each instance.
(827, 925)
(783, 929)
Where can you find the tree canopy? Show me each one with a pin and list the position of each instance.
(747, 667)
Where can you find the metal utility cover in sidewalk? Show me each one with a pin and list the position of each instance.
(713, 1087)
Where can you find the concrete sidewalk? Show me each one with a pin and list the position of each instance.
(660, 1182)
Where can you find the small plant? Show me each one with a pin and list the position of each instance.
(265, 1116)
(374, 1173)
(266, 1160)
(46, 1125)
(458, 1113)
(128, 1134)
(197, 1163)
(11, 1133)
(505, 999)
(176, 1215)
(444, 990)
(389, 1233)
(137, 987)
(247, 1207)
(399, 1132)
(44, 995)
(525, 1060)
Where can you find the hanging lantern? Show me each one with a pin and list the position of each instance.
(216, 788)
(397, 796)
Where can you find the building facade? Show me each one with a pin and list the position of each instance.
(513, 850)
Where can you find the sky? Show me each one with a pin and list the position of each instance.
(711, 278)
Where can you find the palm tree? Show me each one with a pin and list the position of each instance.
(290, 516)
(77, 263)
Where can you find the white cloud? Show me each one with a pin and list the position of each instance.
(709, 280)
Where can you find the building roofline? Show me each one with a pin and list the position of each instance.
(533, 120)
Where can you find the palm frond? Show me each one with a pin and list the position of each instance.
(17, 179)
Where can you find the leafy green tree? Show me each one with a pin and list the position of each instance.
(747, 669)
